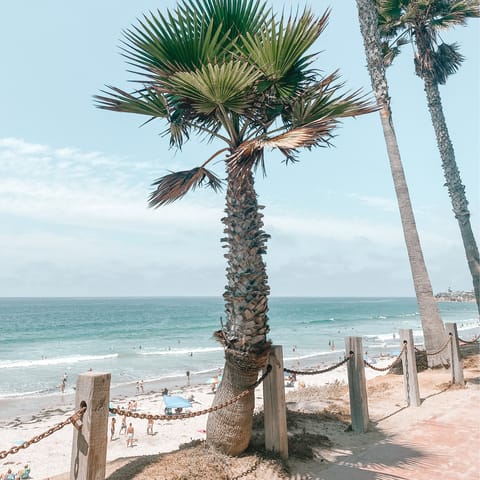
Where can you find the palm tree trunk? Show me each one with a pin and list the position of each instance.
(244, 335)
(453, 182)
(230, 428)
(432, 325)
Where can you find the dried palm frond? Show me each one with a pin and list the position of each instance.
(247, 154)
(175, 185)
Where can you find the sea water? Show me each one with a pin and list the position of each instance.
(158, 340)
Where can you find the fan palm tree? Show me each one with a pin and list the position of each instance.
(432, 324)
(420, 22)
(232, 71)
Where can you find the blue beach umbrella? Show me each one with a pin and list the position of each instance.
(176, 402)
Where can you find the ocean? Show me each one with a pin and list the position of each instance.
(159, 339)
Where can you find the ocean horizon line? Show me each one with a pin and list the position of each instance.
(52, 297)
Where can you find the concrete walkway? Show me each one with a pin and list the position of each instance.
(444, 446)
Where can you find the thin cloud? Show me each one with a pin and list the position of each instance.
(335, 228)
(384, 204)
(70, 187)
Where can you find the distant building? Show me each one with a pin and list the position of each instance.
(455, 296)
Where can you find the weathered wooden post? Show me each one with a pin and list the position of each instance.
(89, 447)
(455, 357)
(357, 385)
(409, 364)
(275, 413)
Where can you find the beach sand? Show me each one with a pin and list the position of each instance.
(439, 439)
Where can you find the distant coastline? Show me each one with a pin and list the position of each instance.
(455, 296)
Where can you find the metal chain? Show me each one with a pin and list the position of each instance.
(247, 472)
(73, 418)
(384, 369)
(443, 348)
(316, 372)
(182, 416)
(475, 340)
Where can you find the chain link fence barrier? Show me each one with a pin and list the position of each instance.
(183, 416)
(74, 419)
(447, 343)
(388, 367)
(317, 372)
(473, 341)
(246, 472)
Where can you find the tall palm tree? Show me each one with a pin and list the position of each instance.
(432, 324)
(231, 71)
(420, 22)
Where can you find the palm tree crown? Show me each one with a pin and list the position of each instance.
(424, 20)
(230, 70)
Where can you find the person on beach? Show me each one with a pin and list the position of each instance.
(150, 426)
(24, 473)
(188, 377)
(130, 433)
(123, 426)
(112, 428)
(9, 475)
(214, 383)
(141, 387)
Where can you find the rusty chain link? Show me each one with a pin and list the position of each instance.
(475, 339)
(317, 372)
(182, 416)
(247, 472)
(443, 348)
(384, 369)
(73, 418)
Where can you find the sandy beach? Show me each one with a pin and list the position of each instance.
(401, 440)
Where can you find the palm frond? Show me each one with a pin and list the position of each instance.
(279, 49)
(325, 99)
(173, 42)
(247, 155)
(176, 185)
(234, 18)
(446, 61)
(145, 102)
(228, 86)
(452, 13)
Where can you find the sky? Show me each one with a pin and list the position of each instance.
(74, 180)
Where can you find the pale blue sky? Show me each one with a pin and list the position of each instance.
(74, 180)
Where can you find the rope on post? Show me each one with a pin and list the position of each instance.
(73, 419)
(317, 372)
(182, 416)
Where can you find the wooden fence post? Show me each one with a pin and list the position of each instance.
(409, 365)
(275, 413)
(357, 385)
(89, 447)
(455, 357)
